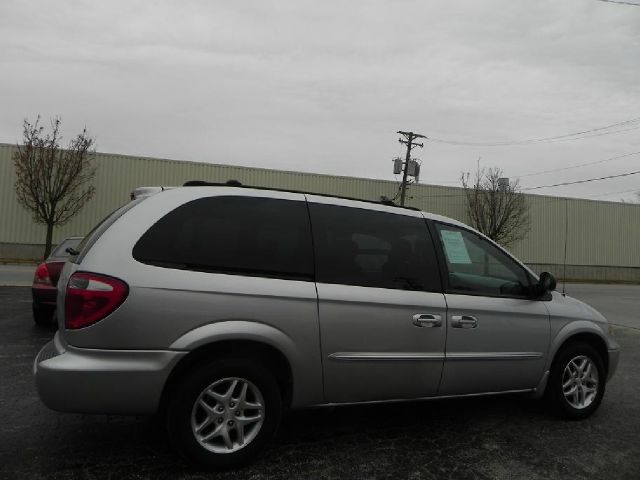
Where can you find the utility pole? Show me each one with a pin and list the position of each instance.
(409, 138)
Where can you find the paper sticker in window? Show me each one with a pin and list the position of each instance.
(454, 247)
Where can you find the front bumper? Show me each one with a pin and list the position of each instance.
(81, 380)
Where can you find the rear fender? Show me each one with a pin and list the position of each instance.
(306, 375)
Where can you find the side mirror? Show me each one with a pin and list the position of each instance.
(546, 283)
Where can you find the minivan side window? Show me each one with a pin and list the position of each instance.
(369, 248)
(477, 267)
(250, 236)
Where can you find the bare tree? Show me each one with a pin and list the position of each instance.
(53, 183)
(496, 208)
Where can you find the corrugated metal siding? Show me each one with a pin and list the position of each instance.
(600, 233)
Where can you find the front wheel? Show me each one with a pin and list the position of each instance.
(577, 381)
(223, 413)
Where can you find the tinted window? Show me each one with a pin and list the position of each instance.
(373, 249)
(238, 235)
(476, 266)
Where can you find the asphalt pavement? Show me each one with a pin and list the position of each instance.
(504, 437)
(619, 303)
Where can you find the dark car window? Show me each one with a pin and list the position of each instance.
(476, 266)
(237, 235)
(373, 249)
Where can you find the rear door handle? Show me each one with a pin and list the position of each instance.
(427, 320)
(464, 321)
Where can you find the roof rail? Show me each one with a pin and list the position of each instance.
(202, 183)
(235, 183)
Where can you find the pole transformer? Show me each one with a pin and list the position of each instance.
(408, 140)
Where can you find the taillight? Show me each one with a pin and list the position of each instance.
(91, 297)
(41, 277)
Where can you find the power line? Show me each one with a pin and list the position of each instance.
(584, 181)
(598, 131)
(579, 165)
(594, 135)
(445, 195)
(571, 167)
(562, 183)
(620, 2)
(562, 138)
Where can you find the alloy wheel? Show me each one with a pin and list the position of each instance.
(580, 382)
(227, 415)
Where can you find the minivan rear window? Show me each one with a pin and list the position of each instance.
(92, 237)
(250, 236)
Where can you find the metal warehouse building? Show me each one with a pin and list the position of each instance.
(603, 238)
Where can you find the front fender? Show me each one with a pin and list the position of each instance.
(569, 330)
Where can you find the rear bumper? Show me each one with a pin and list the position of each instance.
(70, 379)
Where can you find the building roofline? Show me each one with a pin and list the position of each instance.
(326, 175)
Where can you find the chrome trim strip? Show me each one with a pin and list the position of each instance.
(493, 356)
(385, 356)
(388, 356)
(434, 397)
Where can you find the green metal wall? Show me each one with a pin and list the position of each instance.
(599, 233)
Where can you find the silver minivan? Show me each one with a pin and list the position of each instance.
(219, 306)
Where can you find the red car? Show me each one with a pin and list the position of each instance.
(45, 281)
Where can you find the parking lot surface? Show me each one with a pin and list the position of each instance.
(504, 437)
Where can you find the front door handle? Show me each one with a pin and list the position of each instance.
(464, 321)
(427, 320)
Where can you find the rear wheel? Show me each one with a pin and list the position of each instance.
(577, 381)
(223, 413)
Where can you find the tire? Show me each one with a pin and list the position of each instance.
(576, 382)
(42, 316)
(190, 421)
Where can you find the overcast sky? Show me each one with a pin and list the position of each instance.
(322, 86)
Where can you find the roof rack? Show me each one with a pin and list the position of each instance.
(236, 183)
